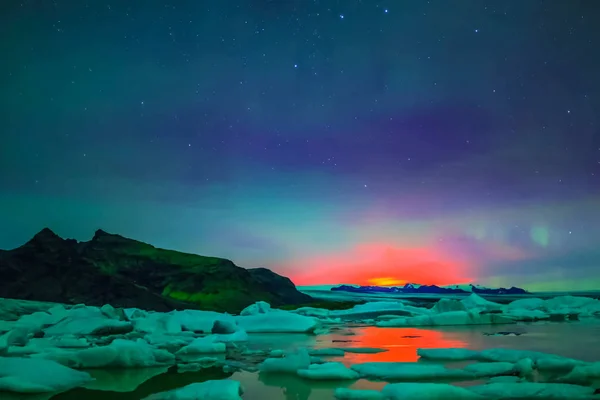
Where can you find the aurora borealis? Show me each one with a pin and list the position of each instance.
(379, 142)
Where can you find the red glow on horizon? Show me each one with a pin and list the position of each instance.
(401, 343)
(385, 264)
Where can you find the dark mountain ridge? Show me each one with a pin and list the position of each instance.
(112, 269)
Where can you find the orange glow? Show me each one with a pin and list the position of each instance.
(387, 281)
(401, 343)
(368, 263)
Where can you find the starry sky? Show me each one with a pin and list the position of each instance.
(365, 142)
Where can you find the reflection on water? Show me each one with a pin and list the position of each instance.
(575, 339)
(401, 343)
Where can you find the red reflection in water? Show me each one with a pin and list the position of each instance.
(401, 343)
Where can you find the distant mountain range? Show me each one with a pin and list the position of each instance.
(429, 289)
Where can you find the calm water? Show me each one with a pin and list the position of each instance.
(574, 339)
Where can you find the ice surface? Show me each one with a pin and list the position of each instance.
(119, 354)
(291, 363)
(25, 375)
(583, 374)
(448, 354)
(472, 317)
(481, 370)
(427, 391)
(545, 360)
(357, 394)
(260, 307)
(203, 345)
(447, 305)
(200, 321)
(521, 314)
(408, 371)
(277, 322)
(93, 325)
(210, 390)
(376, 308)
(328, 371)
(334, 352)
(530, 390)
(505, 379)
(474, 301)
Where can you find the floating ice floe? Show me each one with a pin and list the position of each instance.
(260, 307)
(427, 391)
(26, 375)
(583, 374)
(119, 354)
(409, 371)
(531, 390)
(224, 389)
(203, 345)
(277, 321)
(328, 371)
(357, 394)
(472, 317)
(291, 363)
(543, 361)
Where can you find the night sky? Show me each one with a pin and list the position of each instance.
(348, 141)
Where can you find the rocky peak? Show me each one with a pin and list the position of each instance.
(45, 237)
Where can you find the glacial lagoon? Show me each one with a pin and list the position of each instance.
(376, 332)
(578, 339)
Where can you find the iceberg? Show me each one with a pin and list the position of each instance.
(277, 322)
(26, 375)
(481, 370)
(357, 394)
(203, 345)
(120, 353)
(428, 391)
(291, 363)
(407, 371)
(328, 371)
(472, 317)
(224, 389)
(531, 390)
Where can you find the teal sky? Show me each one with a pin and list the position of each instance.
(332, 142)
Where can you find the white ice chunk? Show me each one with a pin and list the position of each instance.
(522, 314)
(474, 301)
(237, 336)
(427, 391)
(408, 371)
(277, 321)
(530, 390)
(203, 345)
(119, 354)
(357, 394)
(260, 307)
(26, 375)
(328, 371)
(448, 354)
(472, 317)
(291, 363)
(224, 389)
(583, 374)
(533, 303)
(331, 352)
(100, 325)
(447, 305)
(200, 321)
(481, 370)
